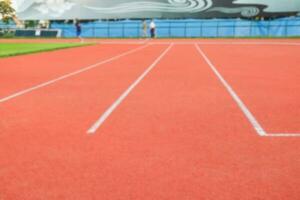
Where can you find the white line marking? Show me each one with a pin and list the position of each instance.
(204, 43)
(250, 43)
(108, 112)
(141, 41)
(260, 131)
(282, 135)
(257, 127)
(70, 74)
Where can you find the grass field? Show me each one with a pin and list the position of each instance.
(12, 49)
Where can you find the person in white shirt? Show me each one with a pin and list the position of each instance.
(152, 29)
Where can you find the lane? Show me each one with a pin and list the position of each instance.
(123, 96)
(68, 75)
(256, 126)
(44, 148)
(22, 72)
(266, 79)
(179, 135)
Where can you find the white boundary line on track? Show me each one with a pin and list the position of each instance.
(250, 43)
(255, 124)
(260, 131)
(141, 41)
(283, 135)
(205, 43)
(22, 92)
(109, 111)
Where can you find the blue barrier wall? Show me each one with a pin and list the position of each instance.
(285, 27)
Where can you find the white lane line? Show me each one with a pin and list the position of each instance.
(108, 112)
(250, 43)
(282, 135)
(257, 127)
(22, 92)
(141, 41)
(120, 43)
(204, 43)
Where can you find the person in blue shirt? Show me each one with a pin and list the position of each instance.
(78, 29)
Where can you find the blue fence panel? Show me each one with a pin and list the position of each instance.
(163, 28)
(210, 28)
(293, 27)
(87, 32)
(226, 29)
(260, 29)
(69, 32)
(100, 32)
(177, 29)
(243, 28)
(193, 29)
(277, 28)
(132, 30)
(189, 28)
(101, 29)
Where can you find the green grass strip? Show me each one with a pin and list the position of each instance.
(13, 49)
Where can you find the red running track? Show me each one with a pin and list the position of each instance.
(21, 72)
(177, 135)
(267, 78)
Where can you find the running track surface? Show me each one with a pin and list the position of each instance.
(176, 134)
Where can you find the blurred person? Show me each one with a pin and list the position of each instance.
(152, 29)
(78, 29)
(145, 28)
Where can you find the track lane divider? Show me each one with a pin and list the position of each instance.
(28, 90)
(204, 43)
(108, 112)
(255, 124)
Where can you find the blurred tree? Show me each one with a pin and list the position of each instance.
(6, 10)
